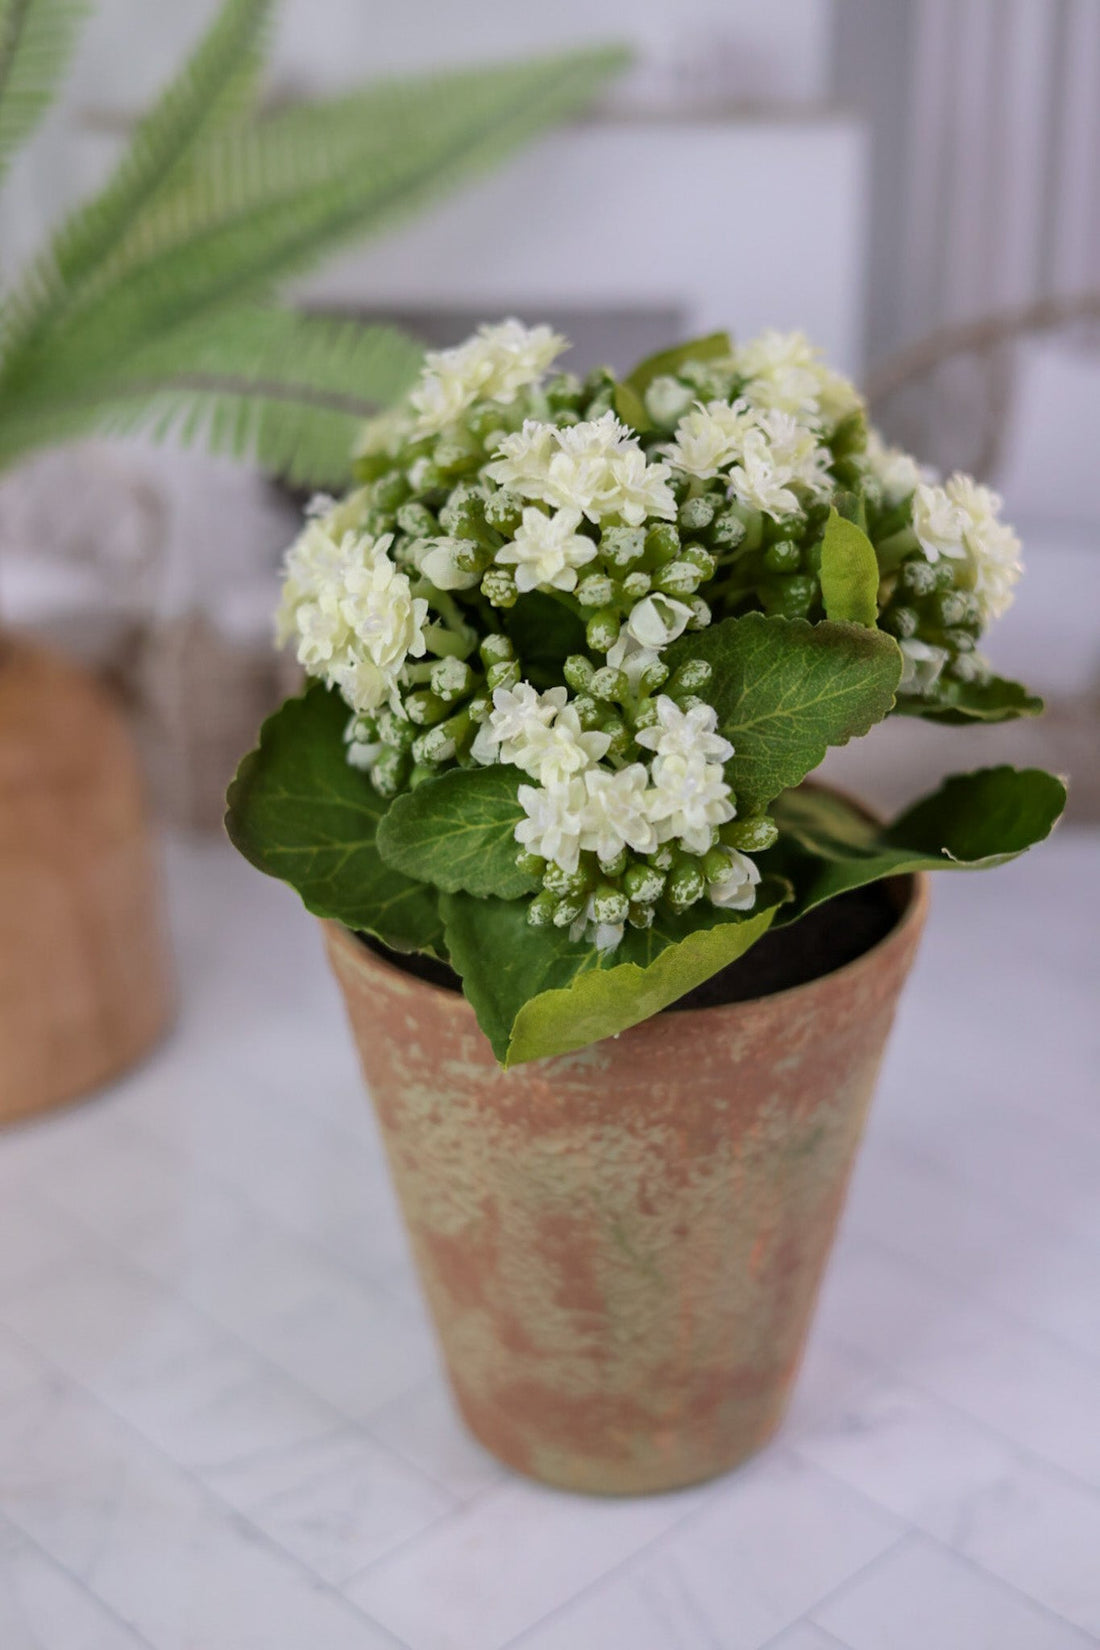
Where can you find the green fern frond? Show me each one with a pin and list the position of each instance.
(36, 42)
(287, 390)
(270, 200)
(230, 52)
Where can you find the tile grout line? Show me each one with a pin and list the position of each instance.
(259, 1537)
(920, 1534)
(78, 1582)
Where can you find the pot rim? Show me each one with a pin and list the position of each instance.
(911, 913)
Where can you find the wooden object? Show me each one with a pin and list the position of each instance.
(85, 981)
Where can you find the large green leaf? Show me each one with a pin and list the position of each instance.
(956, 703)
(974, 821)
(849, 572)
(458, 832)
(715, 346)
(537, 993)
(785, 690)
(36, 42)
(299, 812)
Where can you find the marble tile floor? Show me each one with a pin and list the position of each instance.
(223, 1425)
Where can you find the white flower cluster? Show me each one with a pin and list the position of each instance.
(577, 806)
(353, 613)
(493, 365)
(784, 371)
(766, 454)
(595, 469)
(961, 521)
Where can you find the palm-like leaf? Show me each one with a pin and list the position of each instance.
(36, 40)
(288, 390)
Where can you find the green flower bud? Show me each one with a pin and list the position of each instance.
(609, 683)
(695, 514)
(667, 400)
(955, 608)
(917, 577)
(959, 641)
(394, 730)
(389, 491)
(727, 531)
(563, 390)
(609, 904)
(451, 679)
(503, 511)
(944, 575)
(750, 836)
(678, 578)
(479, 707)
(663, 856)
(463, 515)
(496, 647)
(790, 597)
(425, 708)
(499, 587)
(622, 546)
(901, 621)
(362, 730)
(426, 477)
(419, 773)
(699, 556)
(454, 456)
(574, 884)
(966, 667)
(783, 556)
(662, 543)
(636, 585)
(653, 677)
(595, 591)
(417, 520)
(640, 916)
(505, 674)
(567, 911)
(614, 868)
(540, 912)
(590, 711)
(578, 672)
(390, 771)
(692, 676)
(717, 865)
(645, 713)
(686, 883)
(644, 883)
(619, 736)
(532, 865)
(602, 631)
(700, 614)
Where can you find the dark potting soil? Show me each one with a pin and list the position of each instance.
(826, 939)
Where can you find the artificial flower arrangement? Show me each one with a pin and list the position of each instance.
(575, 644)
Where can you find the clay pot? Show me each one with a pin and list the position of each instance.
(85, 982)
(622, 1247)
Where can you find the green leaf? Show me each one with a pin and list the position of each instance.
(974, 821)
(631, 408)
(785, 690)
(537, 993)
(849, 573)
(299, 812)
(715, 346)
(36, 43)
(458, 832)
(956, 703)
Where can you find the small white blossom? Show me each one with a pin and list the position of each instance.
(667, 399)
(616, 812)
(555, 820)
(517, 713)
(938, 523)
(992, 546)
(710, 437)
(921, 665)
(689, 798)
(777, 455)
(547, 550)
(493, 365)
(784, 371)
(736, 891)
(553, 753)
(438, 565)
(897, 472)
(685, 732)
(653, 623)
(595, 468)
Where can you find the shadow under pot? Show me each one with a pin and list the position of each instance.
(622, 1247)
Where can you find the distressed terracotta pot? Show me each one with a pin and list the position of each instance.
(85, 977)
(622, 1247)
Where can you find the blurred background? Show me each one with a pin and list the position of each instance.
(915, 183)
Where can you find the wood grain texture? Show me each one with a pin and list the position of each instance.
(85, 980)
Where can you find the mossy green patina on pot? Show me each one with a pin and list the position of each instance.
(622, 1247)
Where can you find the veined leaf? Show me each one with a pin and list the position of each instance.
(849, 573)
(974, 821)
(458, 832)
(715, 346)
(956, 703)
(785, 690)
(36, 42)
(299, 812)
(537, 993)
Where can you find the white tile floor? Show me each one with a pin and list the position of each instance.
(223, 1427)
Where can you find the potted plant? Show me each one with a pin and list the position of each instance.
(620, 979)
(152, 309)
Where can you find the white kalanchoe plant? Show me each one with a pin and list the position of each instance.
(575, 643)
